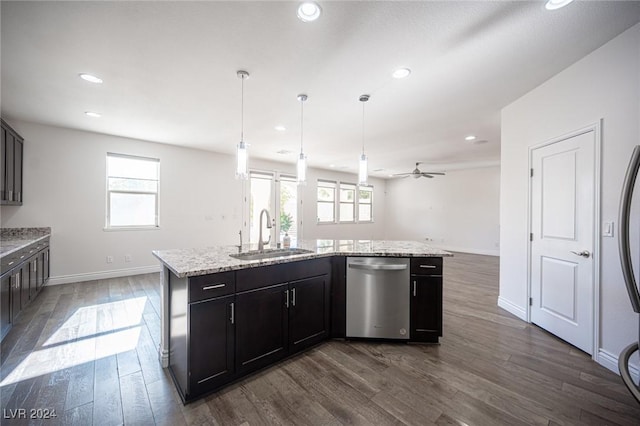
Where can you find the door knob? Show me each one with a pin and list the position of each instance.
(583, 253)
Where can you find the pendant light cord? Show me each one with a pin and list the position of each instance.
(242, 110)
(301, 124)
(362, 128)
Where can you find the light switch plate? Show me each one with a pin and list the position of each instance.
(607, 229)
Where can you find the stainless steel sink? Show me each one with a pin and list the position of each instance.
(269, 253)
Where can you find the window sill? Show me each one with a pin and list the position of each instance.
(131, 228)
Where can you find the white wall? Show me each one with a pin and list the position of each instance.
(458, 211)
(200, 201)
(603, 85)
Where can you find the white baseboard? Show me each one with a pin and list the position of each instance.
(610, 362)
(469, 250)
(76, 278)
(512, 308)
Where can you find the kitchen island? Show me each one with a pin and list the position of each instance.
(224, 317)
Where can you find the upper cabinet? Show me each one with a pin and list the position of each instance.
(11, 163)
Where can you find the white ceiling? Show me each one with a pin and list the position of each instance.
(169, 71)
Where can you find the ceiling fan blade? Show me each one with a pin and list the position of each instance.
(401, 174)
(426, 175)
(434, 173)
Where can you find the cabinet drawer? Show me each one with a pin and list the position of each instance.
(426, 266)
(212, 285)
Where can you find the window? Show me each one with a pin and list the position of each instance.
(340, 202)
(132, 191)
(365, 204)
(326, 201)
(347, 202)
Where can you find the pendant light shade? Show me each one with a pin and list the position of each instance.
(363, 169)
(302, 159)
(242, 154)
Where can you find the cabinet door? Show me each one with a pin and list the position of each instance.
(5, 304)
(17, 170)
(211, 334)
(426, 308)
(45, 267)
(3, 162)
(9, 170)
(33, 277)
(25, 284)
(40, 271)
(261, 327)
(308, 312)
(16, 287)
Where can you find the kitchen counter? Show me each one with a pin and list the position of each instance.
(15, 239)
(193, 262)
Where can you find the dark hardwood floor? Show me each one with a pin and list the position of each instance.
(89, 352)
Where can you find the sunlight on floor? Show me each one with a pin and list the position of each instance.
(92, 332)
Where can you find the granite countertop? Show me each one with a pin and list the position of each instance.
(14, 239)
(210, 260)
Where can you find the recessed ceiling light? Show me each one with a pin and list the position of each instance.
(284, 152)
(470, 138)
(280, 128)
(309, 11)
(401, 73)
(332, 165)
(556, 4)
(91, 78)
(93, 114)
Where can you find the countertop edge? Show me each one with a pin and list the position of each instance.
(288, 259)
(26, 244)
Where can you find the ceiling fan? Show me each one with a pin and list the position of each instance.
(416, 173)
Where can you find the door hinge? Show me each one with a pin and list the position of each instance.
(531, 236)
(531, 301)
(531, 172)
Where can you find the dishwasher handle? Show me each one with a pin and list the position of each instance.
(378, 266)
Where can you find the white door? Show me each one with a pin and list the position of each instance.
(562, 225)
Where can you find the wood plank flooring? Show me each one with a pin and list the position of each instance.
(89, 352)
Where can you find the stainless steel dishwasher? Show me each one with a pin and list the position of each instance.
(378, 297)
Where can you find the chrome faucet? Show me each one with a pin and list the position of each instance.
(260, 242)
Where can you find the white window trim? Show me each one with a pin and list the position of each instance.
(109, 227)
(337, 201)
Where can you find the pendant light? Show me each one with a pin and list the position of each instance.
(242, 155)
(302, 159)
(363, 172)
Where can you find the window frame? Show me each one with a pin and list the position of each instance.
(348, 187)
(337, 201)
(108, 226)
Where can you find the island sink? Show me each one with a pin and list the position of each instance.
(269, 253)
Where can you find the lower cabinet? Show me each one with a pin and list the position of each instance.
(262, 327)
(426, 300)
(211, 326)
(257, 317)
(27, 271)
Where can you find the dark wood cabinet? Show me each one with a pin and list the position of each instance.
(6, 286)
(11, 171)
(212, 339)
(426, 300)
(262, 327)
(308, 312)
(25, 272)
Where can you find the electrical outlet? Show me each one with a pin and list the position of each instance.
(109, 259)
(127, 258)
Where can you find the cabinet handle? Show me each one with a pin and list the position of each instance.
(213, 287)
(428, 266)
(286, 298)
(11, 263)
(10, 197)
(293, 296)
(35, 266)
(414, 289)
(233, 313)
